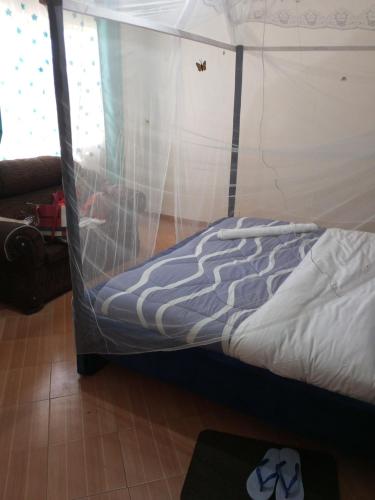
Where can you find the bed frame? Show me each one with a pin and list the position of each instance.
(308, 410)
(297, 406)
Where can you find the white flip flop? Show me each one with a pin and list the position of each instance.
(261, 482)
(289, 485)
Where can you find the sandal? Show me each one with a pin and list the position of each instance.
(261, 482)
(289, 486)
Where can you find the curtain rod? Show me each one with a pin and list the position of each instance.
(111, 15)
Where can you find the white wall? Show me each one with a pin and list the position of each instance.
(317, 130)
(311, 113)
(198, 173)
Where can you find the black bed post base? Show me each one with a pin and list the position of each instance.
(88, 364)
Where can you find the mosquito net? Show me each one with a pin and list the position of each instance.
(201, 117)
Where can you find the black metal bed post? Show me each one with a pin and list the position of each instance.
(85, 363)
(236, 131)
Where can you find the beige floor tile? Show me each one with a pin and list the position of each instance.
(27, 475)
(7, 353)
(76, 417)
(31, 351)
(165, 401)
(175, 486)
(10, 327)
(41, 324)
(2, 323)
(59, 316)
(184, 433)
(20, 385)
(23, 451)
(356, 478)
(64, 379)
(109, 390)
(165, 489)
(155, 450)
(141, 459)
(122, 494)
(84, 468)
(24, 426)
(148, 449)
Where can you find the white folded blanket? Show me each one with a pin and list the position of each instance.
(256, 231)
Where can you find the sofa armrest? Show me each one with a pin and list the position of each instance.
(20, 241)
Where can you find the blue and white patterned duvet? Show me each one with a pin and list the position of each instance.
(201, 290)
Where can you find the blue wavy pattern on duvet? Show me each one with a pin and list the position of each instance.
(200, 291)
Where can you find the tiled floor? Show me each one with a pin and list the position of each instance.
(114, 436)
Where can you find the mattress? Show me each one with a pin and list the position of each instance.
(198, 292)
(319, 327)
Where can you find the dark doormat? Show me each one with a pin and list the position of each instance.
(222, 462)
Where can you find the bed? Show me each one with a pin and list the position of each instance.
(200, 290)
(282, 317)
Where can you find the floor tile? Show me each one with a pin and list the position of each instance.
(184, 433)
(357, 478)
(31, 351)
(165, 401)
(227, 420)
(155, 450)
(109, 389)
(41, 325)
(148, 450)
(64, 379)
(141, 459)
(10, 327)
(76, 417)
(165, 489)
(7, 353)
(175, 485)
(2, 324)
(24, 426)
(122, 494)
(23, 451)
(20, 385)
(61, 348)
(84, 468)
(62, 315)
(26, 475)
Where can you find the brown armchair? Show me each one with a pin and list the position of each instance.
(32, 270)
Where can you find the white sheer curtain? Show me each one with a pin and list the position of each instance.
(27, 96)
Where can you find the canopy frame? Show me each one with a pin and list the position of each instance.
(55, 10)
(236, 131)
(111, 15)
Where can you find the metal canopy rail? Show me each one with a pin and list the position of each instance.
(235, 131)
(312, 48)
(112, 15)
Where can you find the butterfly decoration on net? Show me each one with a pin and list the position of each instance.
(201, 65)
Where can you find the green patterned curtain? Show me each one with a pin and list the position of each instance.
(109, 40)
